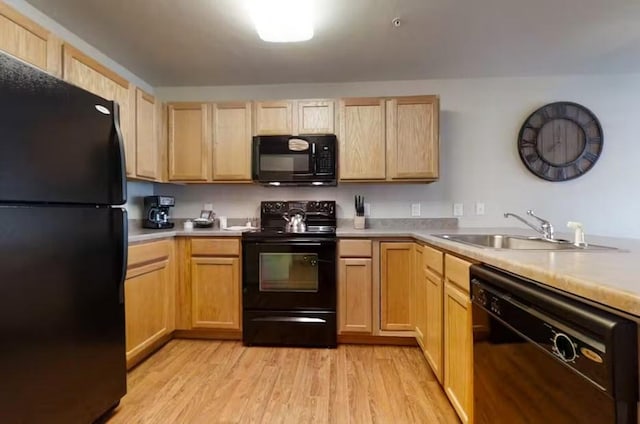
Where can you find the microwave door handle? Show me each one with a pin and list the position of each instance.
(313, 159)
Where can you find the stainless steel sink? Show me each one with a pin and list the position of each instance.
(505, 241)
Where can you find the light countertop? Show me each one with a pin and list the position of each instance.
(608, 277)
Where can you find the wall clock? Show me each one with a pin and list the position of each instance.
(560, 141)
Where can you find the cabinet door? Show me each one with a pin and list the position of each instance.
(396, 282)
(315, 117)
(273, 118)
(147, 305)
(354, 296)
(232, 141)
(28, 41)
(458, 344)
(412, 138)
(147, 148)
(189, 141)
(215, 291)
(362, 139)
(433, 338)
(419, 295)
(85, 72)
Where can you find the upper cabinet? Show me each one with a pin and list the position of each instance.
(147, 155)
(85, 72)
(273, 118)
(189, 141)
(392, 139)
(362, 139)
(28, 41)
(315, 117)
(232, 141)
(412, 138)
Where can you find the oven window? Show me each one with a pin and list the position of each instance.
(296, 163)
(288, 272)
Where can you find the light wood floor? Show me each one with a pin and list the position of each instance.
(203, 381)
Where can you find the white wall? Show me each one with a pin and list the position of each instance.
(480, 120)
(135, 189)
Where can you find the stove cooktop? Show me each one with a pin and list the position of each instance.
(320, 218)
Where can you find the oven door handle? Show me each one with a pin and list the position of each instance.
(291, 319)
(290, 244)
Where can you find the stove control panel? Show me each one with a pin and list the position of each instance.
(323, 207)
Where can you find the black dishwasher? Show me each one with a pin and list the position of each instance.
(541, 357)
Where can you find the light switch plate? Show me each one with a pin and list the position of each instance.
(479, 208)
(415, 209)
(367, 209)
(458, 209)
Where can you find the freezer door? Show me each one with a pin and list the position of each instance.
(58, 143)
(61, 313)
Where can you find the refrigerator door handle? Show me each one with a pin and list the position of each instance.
(124, 253)
(121, 197)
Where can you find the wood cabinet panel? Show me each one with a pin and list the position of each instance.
(189, 141)
(315, 117)
(419, 296)
(26, 40)
(396, 284)
(87, 73)
(354, 296)
(215, 289)
(355, 248)
(412, 137)
(457, 271)
(434, 334)
(362, 139)
(215, 246)
(458, 351)
(232, 141)
(147, 155)
(273, 118)
(433, 260)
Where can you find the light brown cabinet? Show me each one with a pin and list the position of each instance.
(396, 286)
(149, 298)
(434, 334)
(189, 141)
(232, 141)
(214, 283)
(419, 296)
(362, 139)
(23, 38)
(458, 338)
(315, 117)
(85, 72)
(273, 118)
(354, 295)
(148, 154)
(412, 138)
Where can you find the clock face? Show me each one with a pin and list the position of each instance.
(560, 141)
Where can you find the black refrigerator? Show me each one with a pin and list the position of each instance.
(63, 245)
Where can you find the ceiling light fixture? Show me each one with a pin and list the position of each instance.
(282, 21)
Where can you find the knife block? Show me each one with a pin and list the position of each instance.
(358, 222)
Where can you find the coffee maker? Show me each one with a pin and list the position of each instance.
(156, 212)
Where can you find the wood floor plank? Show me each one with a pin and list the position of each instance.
(204, 381)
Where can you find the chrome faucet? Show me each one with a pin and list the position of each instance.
(546, 229)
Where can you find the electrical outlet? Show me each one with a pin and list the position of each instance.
(415, 209)
(479, 208)
(208, 206)
(458, 209)
(367, 209)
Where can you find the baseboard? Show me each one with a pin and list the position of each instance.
(212, 334)
(146, 352)
(376, 340)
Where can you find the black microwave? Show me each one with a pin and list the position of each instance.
(308, 160)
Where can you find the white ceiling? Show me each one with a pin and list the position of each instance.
(212, 42)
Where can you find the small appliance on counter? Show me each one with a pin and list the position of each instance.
(156, 212)
(205, 220)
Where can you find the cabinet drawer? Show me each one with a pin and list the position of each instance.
(457, 271)
(355, 248)
(433, 259)
(215, 247)
(148, 252)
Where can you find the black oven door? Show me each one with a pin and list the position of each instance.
(289, 275)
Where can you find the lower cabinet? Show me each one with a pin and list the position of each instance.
(419, 296)
(354, 295)
(458, 338)
(215, 292)
(149, 291)
(434, 286)
(396, 286)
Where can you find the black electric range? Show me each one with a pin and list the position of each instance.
(289, 279)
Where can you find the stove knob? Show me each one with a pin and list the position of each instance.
(564, 347)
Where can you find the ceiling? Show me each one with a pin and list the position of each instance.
(213, 42)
